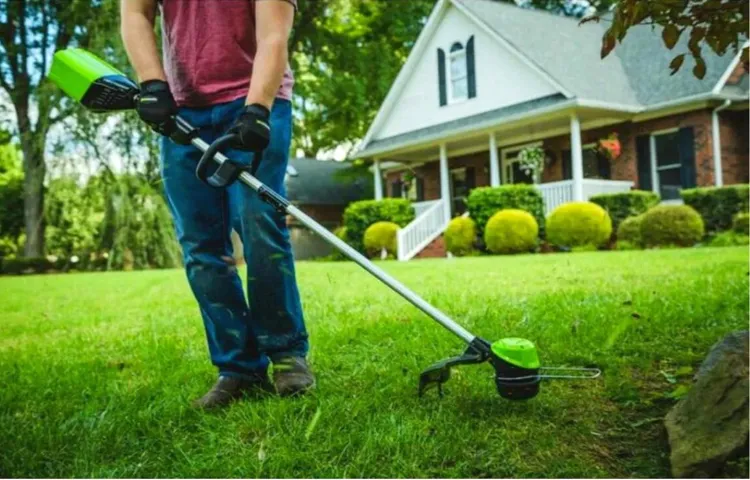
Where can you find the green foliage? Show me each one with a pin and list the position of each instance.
(8, 247)
(577, 224)
(379, 236)
(728, 239)
(511, 231)
(671, 225)
(626, 245)
(620, 206)
(460, 236)
(629, 232)
(74, 215)
(484, 202)
(718, 205)
(741, 223)
(360, 215)
(26, 265)
(11, 192)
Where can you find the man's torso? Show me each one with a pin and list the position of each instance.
(209, 47)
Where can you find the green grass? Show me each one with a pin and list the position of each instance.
(97, 371)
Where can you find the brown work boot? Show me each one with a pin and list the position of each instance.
(292, 376)
(227, 389)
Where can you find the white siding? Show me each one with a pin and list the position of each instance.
(502, 80)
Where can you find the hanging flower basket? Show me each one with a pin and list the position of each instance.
(610, 147)
(531, 162)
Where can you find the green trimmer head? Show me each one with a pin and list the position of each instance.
(518, 372)
(91, 81)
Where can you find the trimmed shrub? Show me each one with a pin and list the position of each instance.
(741, 223)
(621, 206)
(671, 225)
(379, 236)
(629, 232)
(578, 224)
(718, 205)
(729, 239)
(484, 202)
(511, 231)
(460, 236)
(26, 265)
(360, 215)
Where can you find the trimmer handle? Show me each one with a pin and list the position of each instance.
(228, 172)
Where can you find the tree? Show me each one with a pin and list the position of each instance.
(719, 24)
(11, 192)
(30, 32)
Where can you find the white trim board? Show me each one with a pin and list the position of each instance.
(728, 72)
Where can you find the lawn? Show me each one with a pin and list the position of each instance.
(97, 371)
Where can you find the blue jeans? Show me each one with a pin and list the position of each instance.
(243, 334)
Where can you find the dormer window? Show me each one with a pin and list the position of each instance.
(456, 73)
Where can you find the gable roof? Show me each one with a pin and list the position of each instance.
(319, 182)
(635, 73)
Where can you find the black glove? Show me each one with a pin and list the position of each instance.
(156, 106)
(252, 128)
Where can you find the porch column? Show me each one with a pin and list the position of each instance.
(378, 179)
(576, 156)
(494, 162)
(716, 141)
(445, 187)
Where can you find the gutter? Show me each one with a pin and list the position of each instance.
(716, 143)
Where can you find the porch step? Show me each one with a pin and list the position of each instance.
(435, 249)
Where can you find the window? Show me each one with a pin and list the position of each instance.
(595, 165)
(463, 180)
(458, 74)
(666, 164)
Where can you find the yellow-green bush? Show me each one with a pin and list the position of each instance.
(460, 236)
(670, 225)
(381, 235)
(511, 231)
(578, 224)
(629, 231)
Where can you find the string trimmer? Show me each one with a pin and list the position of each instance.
(101, 88)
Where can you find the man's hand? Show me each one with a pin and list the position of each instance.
(156, 106)
(252, 128)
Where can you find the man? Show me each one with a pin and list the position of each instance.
(225, 70)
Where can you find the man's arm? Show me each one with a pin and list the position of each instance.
(137, 28)
(273, 20)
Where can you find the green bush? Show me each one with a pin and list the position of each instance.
(460, 236)
(360, 215)
(484, 202)
(728, 239)
(379, 236)
(629, 232)
(671, 225)
(626, 245)
(8, 247)
(741, 223)
(511, 231)
(718, 205)
(26, 265)
(578, 224)
(620, 206)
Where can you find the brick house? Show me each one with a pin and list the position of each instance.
(486, 79)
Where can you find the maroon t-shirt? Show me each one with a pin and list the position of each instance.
(209, 47)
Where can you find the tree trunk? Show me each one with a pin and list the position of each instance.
(34, 169)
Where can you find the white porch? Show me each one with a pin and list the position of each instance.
(432, 217)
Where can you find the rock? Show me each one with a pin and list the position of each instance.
(710, 425)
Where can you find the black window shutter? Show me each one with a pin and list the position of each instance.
(420, 189)
(604, 168)
(471, 68)
(567, 166)
(643, 153)
(441, 78)
(686, 147)
(396, 189)
(471, 178)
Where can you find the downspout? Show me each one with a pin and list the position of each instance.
(716, 137)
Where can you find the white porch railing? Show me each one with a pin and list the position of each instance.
(557, 193)
(427, 225)
(421, 207)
